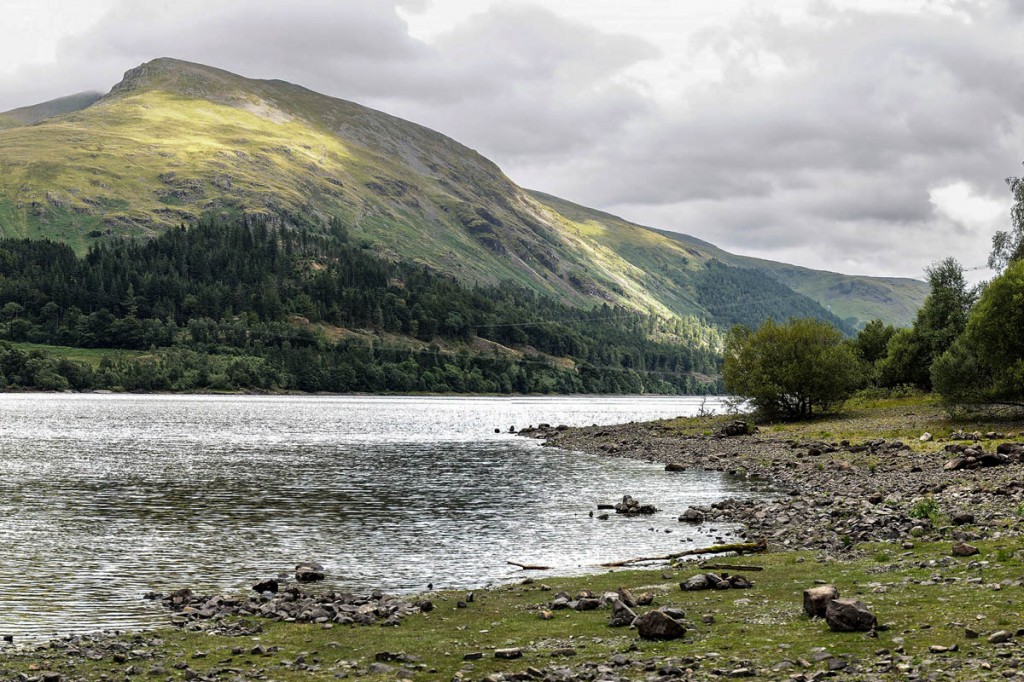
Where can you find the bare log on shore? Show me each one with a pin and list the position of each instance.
(738, 547)
(529, 567)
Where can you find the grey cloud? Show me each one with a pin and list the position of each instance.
(880, 109)
(831, 161)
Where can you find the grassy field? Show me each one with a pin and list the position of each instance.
(763, 628)
(88, 356)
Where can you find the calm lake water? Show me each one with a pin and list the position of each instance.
(106, 497)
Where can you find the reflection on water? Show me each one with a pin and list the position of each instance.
(103, 498)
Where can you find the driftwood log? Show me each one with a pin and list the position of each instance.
(738, 547)
(529, 567)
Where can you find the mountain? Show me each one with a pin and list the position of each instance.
(176, 141)
(24, 116)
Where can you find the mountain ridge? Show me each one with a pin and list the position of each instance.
(174, 141)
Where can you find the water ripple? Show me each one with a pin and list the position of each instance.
(103, 498)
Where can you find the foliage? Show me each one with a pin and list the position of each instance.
(253, 307)
(939, 322)
(747, 296)
(987, 362)
(791, 370)
(1008, 246)
(871, 342)
(926, 508)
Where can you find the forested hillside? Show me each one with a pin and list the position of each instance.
(222, 305)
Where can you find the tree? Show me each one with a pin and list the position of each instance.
(987, 363)
(939, 322)
(791, 370)
(873, 339)
(1008, 246)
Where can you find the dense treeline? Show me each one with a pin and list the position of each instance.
(748, 297)
(966, 342)
(221, 305)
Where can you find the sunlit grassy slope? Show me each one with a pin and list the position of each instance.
(174, 141)
(856, 298)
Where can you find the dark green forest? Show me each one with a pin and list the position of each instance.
(749, 297)
(223, 306)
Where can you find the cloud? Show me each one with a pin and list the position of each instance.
(835, 144)
(831, 137)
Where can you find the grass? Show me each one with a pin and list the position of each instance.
(761, 627)
(189, 139)
(88, 356)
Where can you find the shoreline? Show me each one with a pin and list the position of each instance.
(847, 514)
(835, 488)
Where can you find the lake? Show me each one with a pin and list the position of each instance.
(106, 497)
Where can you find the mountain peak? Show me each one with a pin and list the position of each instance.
(186, 78)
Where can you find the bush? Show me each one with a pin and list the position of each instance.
(791, 370)
(986, 365)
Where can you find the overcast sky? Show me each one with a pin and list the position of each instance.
(867, 136)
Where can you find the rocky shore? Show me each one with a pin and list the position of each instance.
(834, 494)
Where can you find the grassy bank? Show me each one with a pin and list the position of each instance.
(924, 597)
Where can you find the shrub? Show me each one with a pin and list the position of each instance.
(791, 370)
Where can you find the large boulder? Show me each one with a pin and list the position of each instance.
(849, 615)
(657, 625)
(816, 599)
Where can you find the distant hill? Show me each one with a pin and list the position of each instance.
(176, 141)
(24, 116)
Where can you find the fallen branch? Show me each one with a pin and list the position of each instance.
(529, 567)
(732, 567)
(738, 547)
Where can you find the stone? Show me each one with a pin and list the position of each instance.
(473, 656)
(816, 599)
(964, 549)
(737, 428)
(508, 654)
(926, 437)
(588, 604)
(695, 583)
(626, 597)
(691, 515)
(266, 586)
(622, 615)
(672, 466)
(962, 518)
(849, 615)
(656, 625)
(309, 572)
(1000, 637)
(671, 612)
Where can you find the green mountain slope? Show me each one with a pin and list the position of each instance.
(683, 259)
(176, 141)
